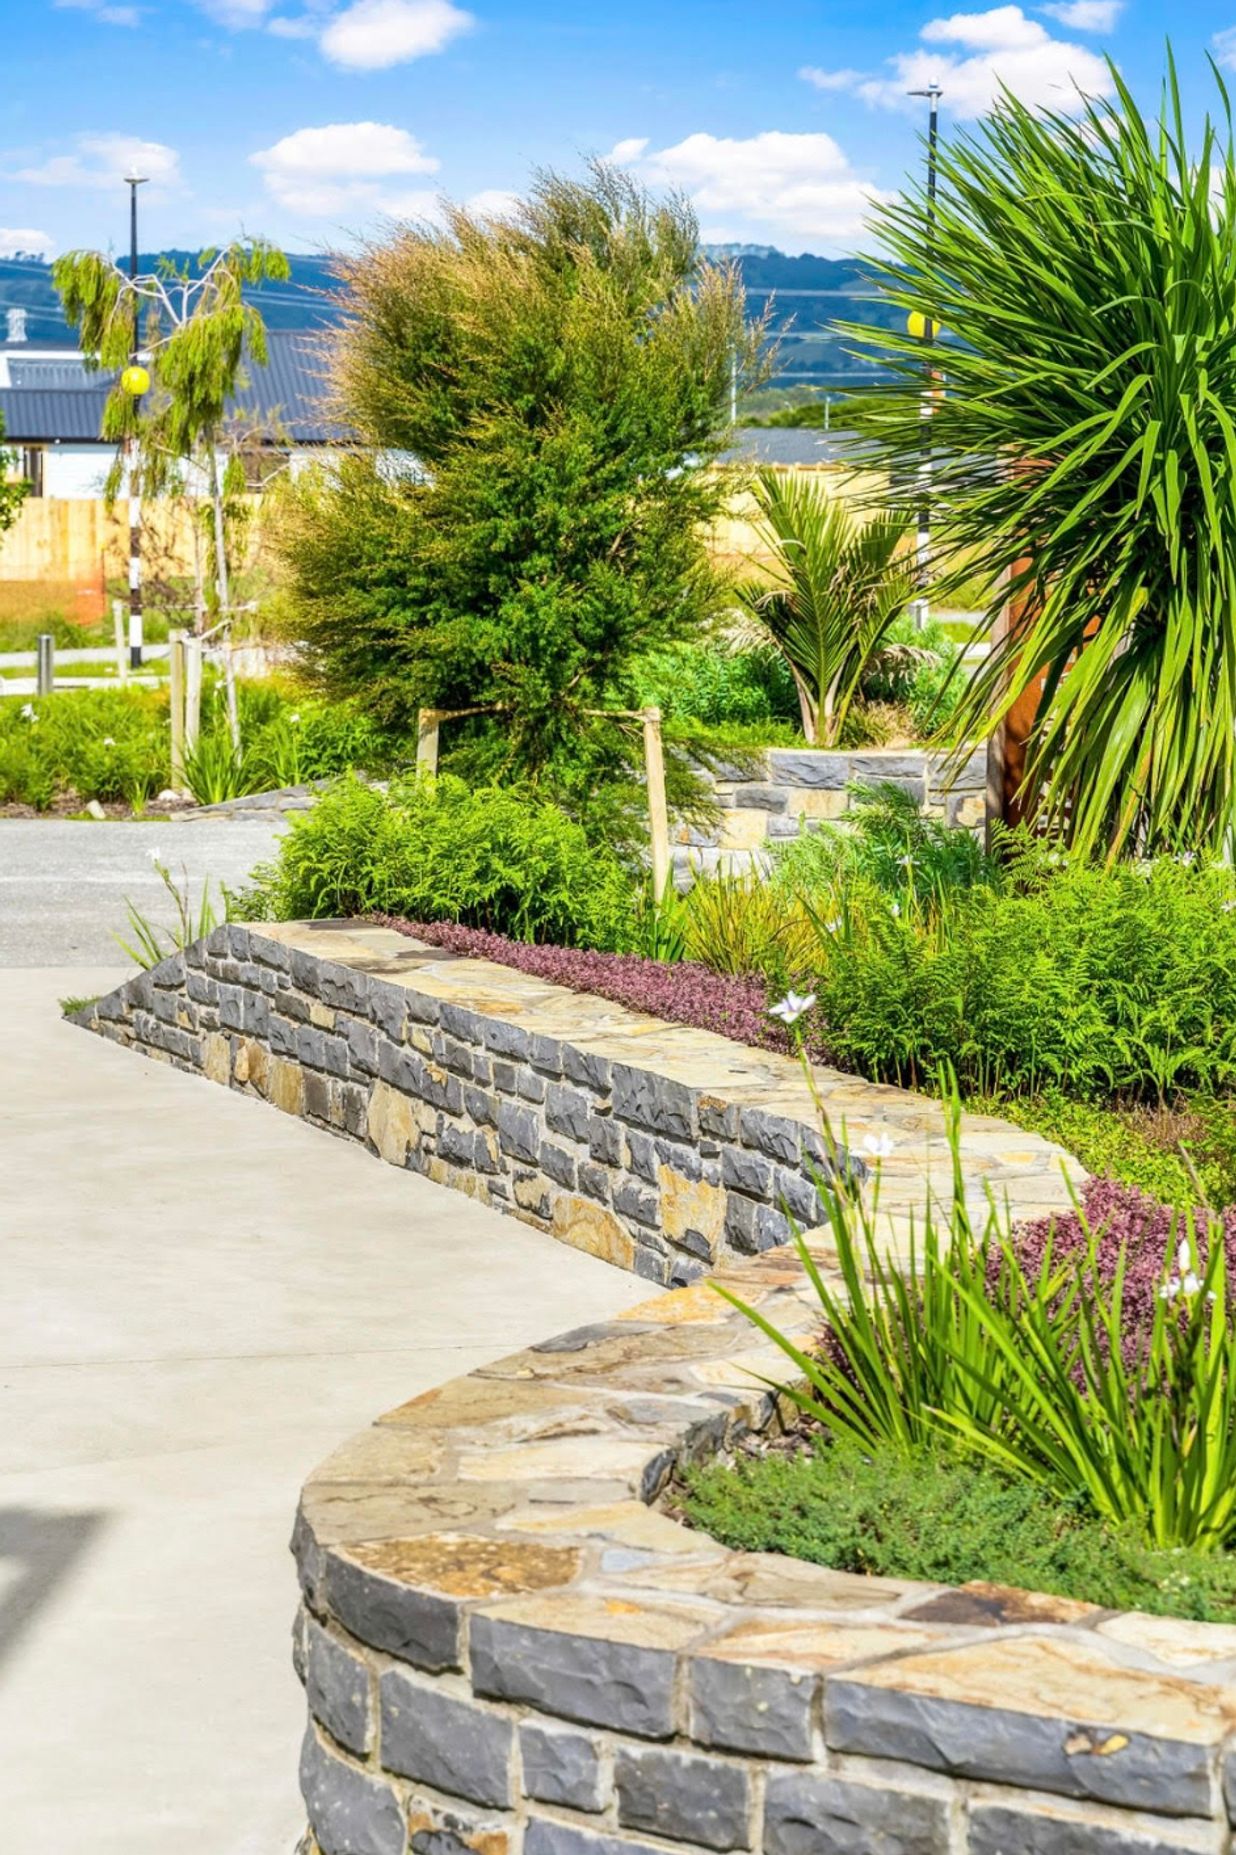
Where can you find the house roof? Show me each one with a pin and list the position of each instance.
(52, 399)
(781, 444)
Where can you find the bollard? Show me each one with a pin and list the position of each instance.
(135, 640)
(176, 706)
(46, 675)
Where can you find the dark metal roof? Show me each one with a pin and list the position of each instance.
(283, 395)
(782, 444)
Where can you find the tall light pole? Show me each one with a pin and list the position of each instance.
(923, 325)
(135, 382)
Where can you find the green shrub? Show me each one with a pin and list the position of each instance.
(718, 683)
(99, 743)
(433, 850)
(1096, 981)
(1028, 1364)
(946, 1521)
(888, 841)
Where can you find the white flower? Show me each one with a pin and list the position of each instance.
(1170, 1289)
(1184, 1255)
(1190, 1284)
(28, 712)
(108, 741)
(833, 926)
(906, 862)
(1185, 858)
(294, 718)
(155, 857)
(895, 908)
(791, 1008)
(1228, 907)
(879, 1146)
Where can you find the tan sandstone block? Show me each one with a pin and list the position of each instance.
(972, 810)
(743, 830)
(321, 1015)
(216, 1057)
(591, 1228)
(395, 1122)
(286, 1088)
(691, 1206)
(461, 1565)
(823, 804)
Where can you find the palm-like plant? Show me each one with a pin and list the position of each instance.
(1084, 450)
(837, 589)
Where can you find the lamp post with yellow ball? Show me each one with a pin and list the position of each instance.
(135, 381)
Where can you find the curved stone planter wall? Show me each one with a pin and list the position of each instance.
(504, 1647)
(660, 1148)
(781, 792)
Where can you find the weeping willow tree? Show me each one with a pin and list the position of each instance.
(1084, 447)
(196, 329)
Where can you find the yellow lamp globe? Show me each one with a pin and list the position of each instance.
(135, 381)
(918, 325)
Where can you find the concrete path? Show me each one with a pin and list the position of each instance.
(201, 1297)
(63, 882)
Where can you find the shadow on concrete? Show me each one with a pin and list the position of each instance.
(38, 1551)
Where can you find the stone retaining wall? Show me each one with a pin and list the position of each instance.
(659, 1148)
(783, 791)
(505, 1648)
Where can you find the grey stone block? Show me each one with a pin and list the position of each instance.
(337, 1686)
(504, 1075)
(519, 1131)
(272, 953)
(798, 1197)
(418, 1626)
(737, 1707)
(641, 1156)
(581, 1066)
(456, 1747)
(422, 1009)
(349, 1813)
(529, 1086)
(745, 1171)
(362, 1046)
(740, 1224)
(1148, 1772)
(996, 1829)
(638, 1202)
(543, 1837)
(458, 1022)
(594, 1181)
(618, 1684)
(683, 1796)
(456, 1145)
(605, 1141)
(718, 1119)
(561, 1767)
(566, 1112)
(231, 1007)
(757, 798)
(281, 1035)
(785, 827)
(340, 986)
(335, 1056)
(481, 1106)
(654, 1102)
(506, 1040)
(650, 1261)
(317, 1096)
(455, 1056)
(806, 1815)
(823, 772)
(311, 1046)
(873, 769)
(388, 1007)
(771, 1134)
(238, 940)
(545, 1054)
(557, 1164)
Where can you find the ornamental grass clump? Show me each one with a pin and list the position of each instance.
(971, 1346)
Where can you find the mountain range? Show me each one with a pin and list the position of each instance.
(803, 296)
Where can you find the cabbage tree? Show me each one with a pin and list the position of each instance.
(837, 586)
(1083, 266)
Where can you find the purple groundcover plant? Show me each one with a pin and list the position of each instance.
(1123, 1218)
(681, 993)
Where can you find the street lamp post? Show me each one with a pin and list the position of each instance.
(926, 334)
(134, 375)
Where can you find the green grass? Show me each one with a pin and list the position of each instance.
(1139, 1146)
(946, 1521)
(71, 1006)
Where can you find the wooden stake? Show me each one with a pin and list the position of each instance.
(233, 707)
(427, 739)
(122, 660)
(176, 702)
(658, 810)
(193, 692)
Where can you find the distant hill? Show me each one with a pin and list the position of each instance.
(804, 296)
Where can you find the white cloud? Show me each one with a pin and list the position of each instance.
(493, 203)
(371, 35)
(305, 27)
(775, 185)
(829, 80)
(236, 15)
(1005, 49)
(1086, 15)
(103, 161)
(344, 168)
(24, 241)
(101, 10)
(1225, 47)
(628, 150)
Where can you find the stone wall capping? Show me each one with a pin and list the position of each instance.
(506, 1649)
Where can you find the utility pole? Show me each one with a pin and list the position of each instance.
(927, 335)
(133, 182)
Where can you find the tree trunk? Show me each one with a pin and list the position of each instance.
(806, 707)
(216, 497)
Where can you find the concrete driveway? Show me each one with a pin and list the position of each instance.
(201, 1298)
(63, 882)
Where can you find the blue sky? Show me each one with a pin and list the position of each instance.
(312, 120)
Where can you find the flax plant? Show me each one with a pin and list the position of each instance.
(1083, 446)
